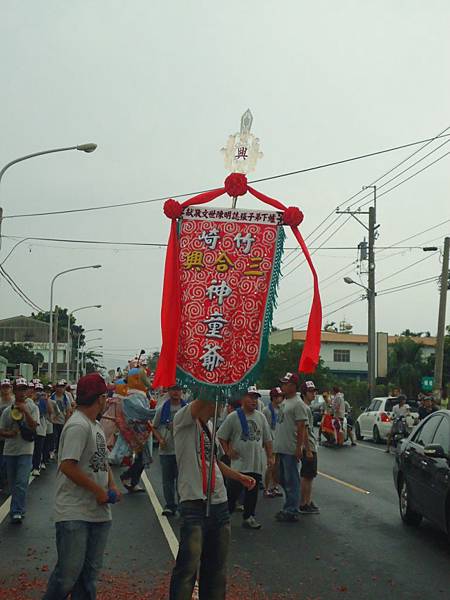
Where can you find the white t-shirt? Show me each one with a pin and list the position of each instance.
(339, 405)
(166, 429)
(400, 411)
(17, 446)
(187, 433)
(292, 411)
(251, 448)
(82, 440)
(268, 414)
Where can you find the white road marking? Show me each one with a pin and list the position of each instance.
(6, 506)
(165, 525)
(370, 447)
(163, 521)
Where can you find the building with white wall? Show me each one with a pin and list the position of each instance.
(346, 353)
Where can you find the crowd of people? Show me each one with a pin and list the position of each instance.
(270, 448)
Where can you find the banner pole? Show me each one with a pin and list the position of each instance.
(212, 458)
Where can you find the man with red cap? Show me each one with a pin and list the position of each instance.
(84, 489)
(289, 442)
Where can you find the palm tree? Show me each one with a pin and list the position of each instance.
(407, 366)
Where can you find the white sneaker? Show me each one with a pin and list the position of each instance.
(43, 467)
(251, 523)
(35, 472)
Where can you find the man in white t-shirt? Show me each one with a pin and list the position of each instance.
(290, 440)
(84, 489)
(18, 424)
(401, 409)
(245, 435)
(204, 540)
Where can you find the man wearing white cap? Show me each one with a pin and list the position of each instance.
(6, 398)
(18, 424)
(244, 435)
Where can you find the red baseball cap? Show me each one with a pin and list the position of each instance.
(308, 386)
(290, 378)
(276, 391)
(90, 386)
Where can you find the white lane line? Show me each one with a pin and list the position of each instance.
(355, 488)
(370, 447)
(6, 506)
(163, 521)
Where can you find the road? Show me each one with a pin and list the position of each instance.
(357, 548)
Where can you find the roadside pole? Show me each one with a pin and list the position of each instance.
(439, 359)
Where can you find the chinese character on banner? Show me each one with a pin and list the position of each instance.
(244, 242)
(223, 263)
(219, 291)
(194, 260)
(253, 268)
(211, 359)
(210, 238)
(215, 323)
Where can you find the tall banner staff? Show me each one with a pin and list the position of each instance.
(220, 285)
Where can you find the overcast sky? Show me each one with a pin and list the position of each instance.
(159, 86)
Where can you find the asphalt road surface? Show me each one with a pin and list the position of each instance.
(357, 548)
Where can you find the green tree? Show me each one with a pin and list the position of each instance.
(284, 358)
(407, 366)
(446, 367)
(409, 333)
(21, 353)
(75, 330)
(93, 361)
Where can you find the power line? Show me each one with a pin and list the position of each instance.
(278, 176)
(382, 177)
(16, 288)
(381, 293)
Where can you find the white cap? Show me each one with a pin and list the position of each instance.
(38, 386)
(252, 390)
(21, 381)
(5, 382)
(62, 382)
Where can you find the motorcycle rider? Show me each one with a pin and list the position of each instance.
(400, 410)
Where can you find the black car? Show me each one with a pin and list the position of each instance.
(422, 472)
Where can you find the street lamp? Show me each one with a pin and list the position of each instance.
(78, 349)
(371, 334)
(88, 148)
(69, 317)
(50, 335)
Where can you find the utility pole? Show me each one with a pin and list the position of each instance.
(371, 293)
(371, 228)
(439, 359)
(55, 347)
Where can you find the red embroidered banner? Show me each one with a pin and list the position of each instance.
(229, 268)
(171, 307)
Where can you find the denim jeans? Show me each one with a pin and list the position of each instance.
(80, 546)
(169, 477)
(135, 471)
(235, 489)
(38, 450)
(18, 470)
(204, 543)
(290, 481)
